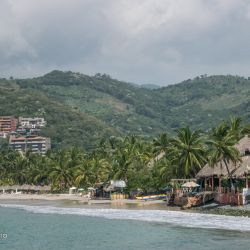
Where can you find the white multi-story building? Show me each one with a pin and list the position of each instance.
(31, 123)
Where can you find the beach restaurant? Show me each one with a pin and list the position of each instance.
(216, 178)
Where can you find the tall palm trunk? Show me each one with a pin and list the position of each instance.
(229, 174)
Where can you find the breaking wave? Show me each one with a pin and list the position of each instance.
(178, 218)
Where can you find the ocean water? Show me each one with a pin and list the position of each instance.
(47, 227)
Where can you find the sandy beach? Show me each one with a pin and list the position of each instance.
(75, 200)
(48, 197)
(58, 197)
(67, 200)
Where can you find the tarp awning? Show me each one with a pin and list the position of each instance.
(190, 184)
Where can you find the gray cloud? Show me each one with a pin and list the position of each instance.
(143, 41)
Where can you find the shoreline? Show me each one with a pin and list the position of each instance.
(67, 200)
(237, 211)
(68, 197)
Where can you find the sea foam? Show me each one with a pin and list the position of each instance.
(178, 218)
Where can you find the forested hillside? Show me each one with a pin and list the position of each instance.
(65, 126)
(81, 109)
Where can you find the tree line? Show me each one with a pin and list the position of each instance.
(142, 163)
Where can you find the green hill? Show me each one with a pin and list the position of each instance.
(119, 104)
(204, 101)
(66, 127)
(81, 109)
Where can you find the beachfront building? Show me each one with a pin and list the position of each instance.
(35, 144)
(7, 124)
(216, 178)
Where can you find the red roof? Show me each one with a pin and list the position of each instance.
(27, 139)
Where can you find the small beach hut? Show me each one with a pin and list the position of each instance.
(72, 190)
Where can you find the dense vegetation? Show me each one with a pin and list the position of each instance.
(131, 159)
(81, 109)
(66, 127)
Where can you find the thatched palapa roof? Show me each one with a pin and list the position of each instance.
(243, 145)
(244, 168)
(219, 169)
(237, 170)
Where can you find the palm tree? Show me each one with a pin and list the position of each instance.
(76, 157)
(166, 169)
(121, 164)
(235, 128)
(188, 151)
(61, 170)
(19, 171)
(124, 158)
(38, 170)
(82, 174)
(222, 147)
(100, 170)
(161, 144)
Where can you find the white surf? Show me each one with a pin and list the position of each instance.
(184, 219)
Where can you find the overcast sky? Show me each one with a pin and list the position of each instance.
(141, 41)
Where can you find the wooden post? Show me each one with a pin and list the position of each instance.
(205, 184)
(229, 196)
(220, 184)
(238, 198)
(246, 182)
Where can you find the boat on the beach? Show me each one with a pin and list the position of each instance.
(189, 195)
(189, 200)
(152, 197)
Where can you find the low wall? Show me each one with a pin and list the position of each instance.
(118, 196)
(229, 198)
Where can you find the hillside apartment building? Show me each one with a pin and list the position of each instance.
(30, 123)
(8, 124)
(24, 134)
(35, 144)
(30, 126)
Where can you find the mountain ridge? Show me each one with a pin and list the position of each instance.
(100, 106)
